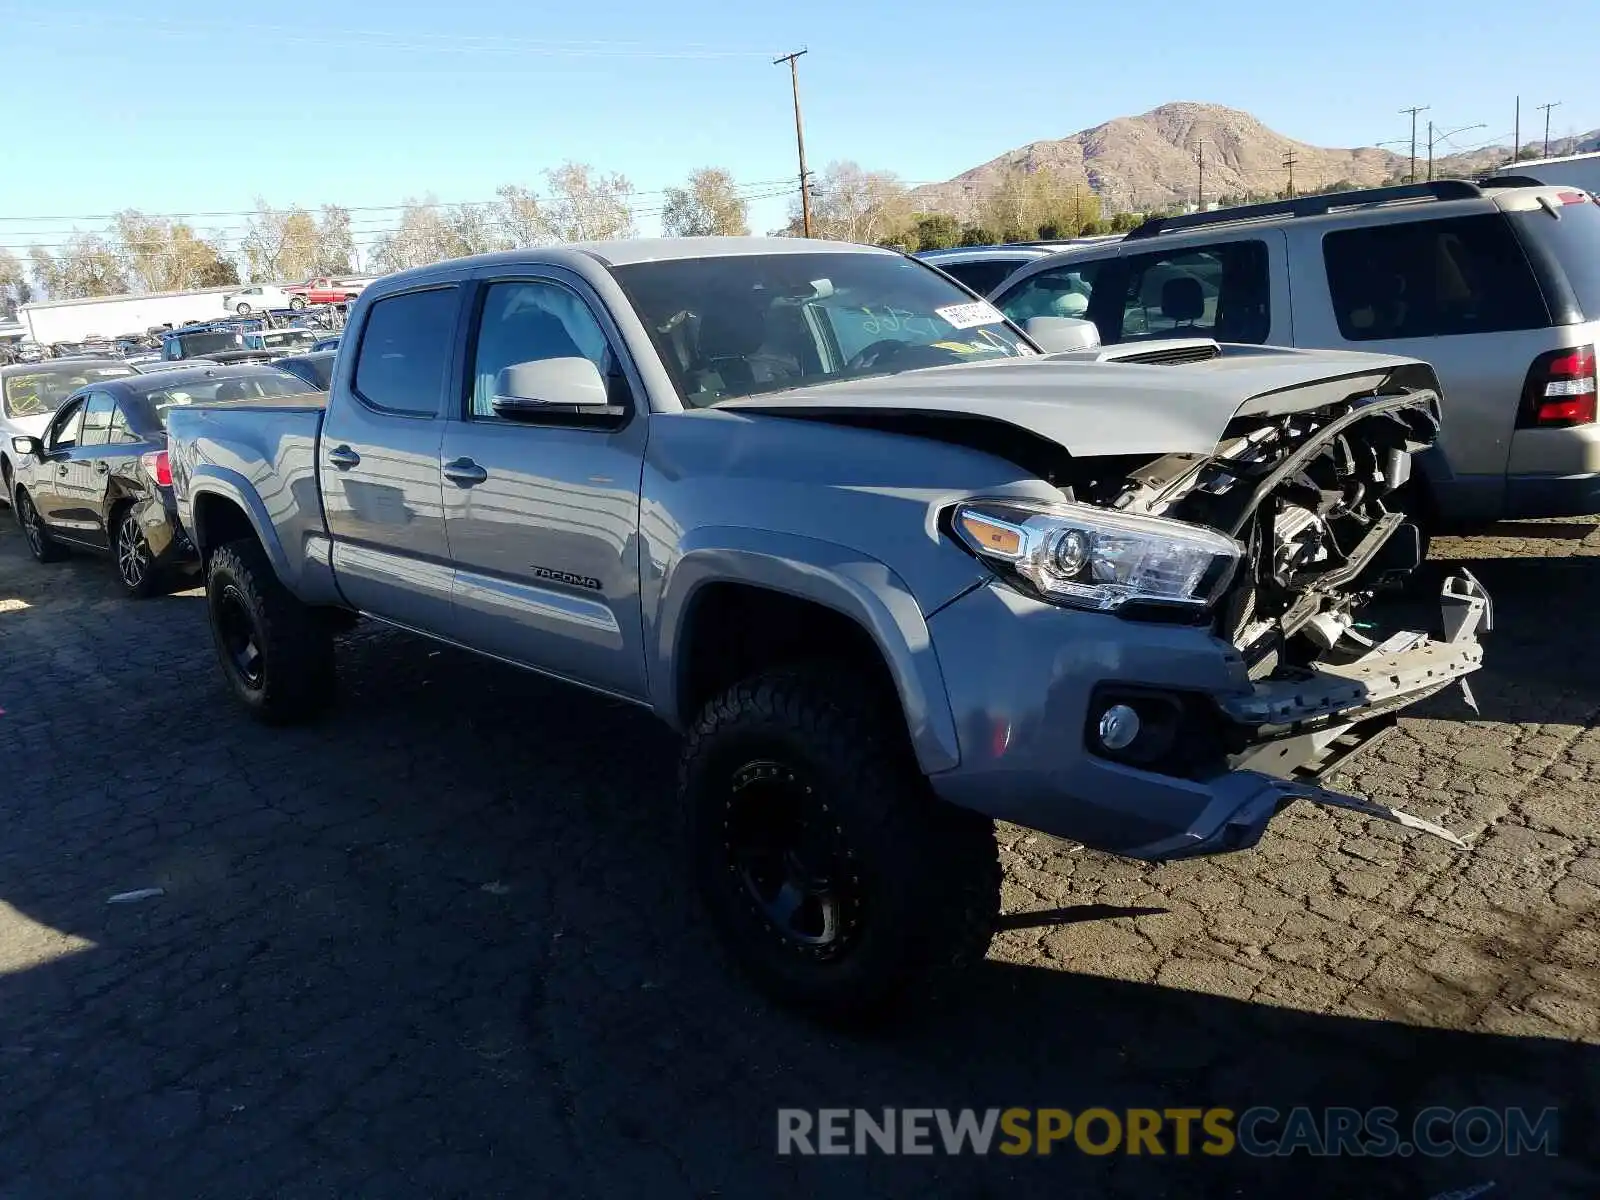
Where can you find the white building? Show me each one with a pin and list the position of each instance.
(1571, 170)
(49, 321)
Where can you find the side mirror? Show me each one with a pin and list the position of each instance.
(529, 390)
(1056, 335)
(28, 445)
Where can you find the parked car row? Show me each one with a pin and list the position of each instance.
(83, 451)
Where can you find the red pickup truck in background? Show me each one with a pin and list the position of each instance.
(327, 289)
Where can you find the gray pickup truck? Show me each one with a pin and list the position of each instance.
(893, 569)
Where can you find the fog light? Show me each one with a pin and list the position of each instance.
(1119, 725)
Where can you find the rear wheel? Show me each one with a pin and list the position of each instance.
(831, 874)
(135, 564)
(297, 302)
(41, 545)
(276, 653)
(242, 309)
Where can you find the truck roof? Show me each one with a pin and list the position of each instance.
(624, 252)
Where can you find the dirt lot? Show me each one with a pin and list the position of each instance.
(440, 944)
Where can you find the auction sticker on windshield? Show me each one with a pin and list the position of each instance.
(965, 316)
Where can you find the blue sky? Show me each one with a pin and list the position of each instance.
(177, 108)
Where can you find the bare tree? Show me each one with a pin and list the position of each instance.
(335, 248)
(15, 290)
(474, 229)
(852, 204)
(424, 236)
(160, 255)
(522, 220)
(586, 206)
(710, 205)
(87, 265)
(280, 243)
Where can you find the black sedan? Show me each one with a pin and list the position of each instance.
(99, 478)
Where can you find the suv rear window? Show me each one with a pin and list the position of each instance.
(1571, 238)
(405, 349)
(1431, 279)
(982, 275)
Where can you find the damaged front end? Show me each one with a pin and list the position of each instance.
(1279, 541)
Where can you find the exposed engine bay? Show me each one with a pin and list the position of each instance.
(1316, 498)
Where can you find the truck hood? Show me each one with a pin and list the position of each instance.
(1093, 409)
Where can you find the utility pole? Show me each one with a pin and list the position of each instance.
(1411, 176)
(800, 139)
(1547, 108)
(1289, 160)
(1200, 192)
(1516, 136)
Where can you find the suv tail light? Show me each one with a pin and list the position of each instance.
(1560, 391)
(158, 467)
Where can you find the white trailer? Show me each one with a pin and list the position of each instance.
(108, 316)
(1569, 170)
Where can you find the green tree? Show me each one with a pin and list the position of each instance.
(1125, 222)
(937, 231)
(161, 255)
(86, 265)
(977, 235)
(708, 206)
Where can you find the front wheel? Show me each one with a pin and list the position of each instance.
(41, 545)
(275, 653)
(242, 309)
(831, 874)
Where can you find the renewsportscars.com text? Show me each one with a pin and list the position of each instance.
(1258, 1131)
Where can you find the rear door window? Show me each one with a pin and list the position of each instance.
(405, 351)
(1455, 275)
(1568, 235)
(1219, 291)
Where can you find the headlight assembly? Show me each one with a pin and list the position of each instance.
(1096, 558)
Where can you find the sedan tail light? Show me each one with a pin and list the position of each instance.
(158, 467)
(1560, 391)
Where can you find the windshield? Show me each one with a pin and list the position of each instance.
(742, 324)
(39, 393)
(282, 339)
(1572, 238)
(212, 390)
(196, 345)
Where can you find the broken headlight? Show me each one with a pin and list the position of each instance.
(1096, 558)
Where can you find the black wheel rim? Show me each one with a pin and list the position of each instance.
(787, 856)
(132, 557)
(237, 629)
(30, 525)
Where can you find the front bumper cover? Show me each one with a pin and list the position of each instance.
(1035, 675)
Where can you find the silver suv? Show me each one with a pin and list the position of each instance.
(1496, 284)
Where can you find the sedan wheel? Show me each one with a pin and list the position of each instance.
(242, 309)
(42, 546)
(133, 558)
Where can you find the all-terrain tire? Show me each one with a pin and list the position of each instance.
(285, 672)
(927, 874)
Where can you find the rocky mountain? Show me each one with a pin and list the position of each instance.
(1151, 161)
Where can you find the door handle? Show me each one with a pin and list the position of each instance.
(102, 468)
(463, 472)
(62, 469)
(343, 457)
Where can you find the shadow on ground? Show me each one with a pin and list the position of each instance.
(440, 945)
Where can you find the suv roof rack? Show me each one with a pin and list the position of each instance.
(1311, 206)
